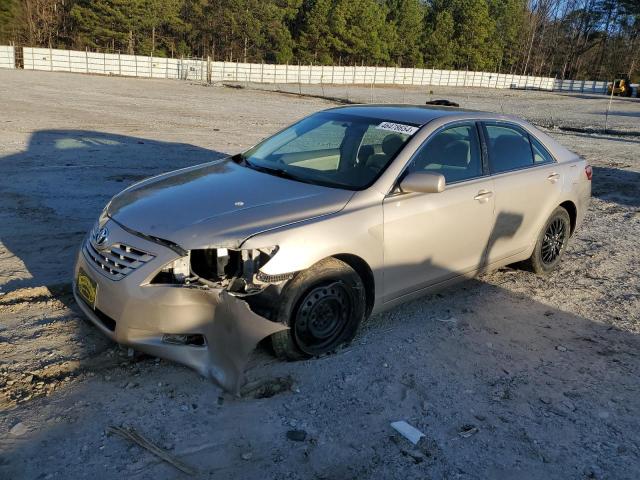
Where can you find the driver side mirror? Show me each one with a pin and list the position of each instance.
(423, 182)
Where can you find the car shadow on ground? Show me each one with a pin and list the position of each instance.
(53, 192)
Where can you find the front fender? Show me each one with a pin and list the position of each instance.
(356, 230)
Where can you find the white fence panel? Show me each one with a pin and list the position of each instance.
(129, 65)
(203, 70)
(37, 58)
(77, 61)
(7, 57)
(111, 64)
(95, 63)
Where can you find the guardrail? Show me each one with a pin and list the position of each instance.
(204, 70)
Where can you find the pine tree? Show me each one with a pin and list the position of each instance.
(359, 32)
(440, 44)
(313, 44)
(566, 38)
(474, 29)
(407, 17)
(509, 23)
(132, 26)
(243, 30)
(9, 24)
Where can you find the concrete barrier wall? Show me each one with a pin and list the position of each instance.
(342, 75)
(112, 64)
(203, 70)
(7, 57)
(584, 86)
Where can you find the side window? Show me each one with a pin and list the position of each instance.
(540, 154)
(453, 152)
(509, 148)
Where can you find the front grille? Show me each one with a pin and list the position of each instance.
(117, 261)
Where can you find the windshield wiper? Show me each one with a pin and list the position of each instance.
(278, 172)
(240, 158)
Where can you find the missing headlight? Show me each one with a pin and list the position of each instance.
(215, 264)
(238, 271)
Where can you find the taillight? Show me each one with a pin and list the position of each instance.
(588, 172)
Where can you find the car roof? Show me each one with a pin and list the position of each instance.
(423, 114)
(416, 114)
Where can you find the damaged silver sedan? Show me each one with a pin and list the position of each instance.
(345, 213)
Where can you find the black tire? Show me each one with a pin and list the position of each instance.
(323, 307)
(551, 243)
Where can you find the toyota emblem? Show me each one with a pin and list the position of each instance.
(101, 236)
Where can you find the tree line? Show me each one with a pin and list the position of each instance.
(580, 39)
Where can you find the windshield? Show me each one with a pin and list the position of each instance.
(332, 149)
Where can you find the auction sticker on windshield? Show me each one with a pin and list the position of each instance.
(398, 128)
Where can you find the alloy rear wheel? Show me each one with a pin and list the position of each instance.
(551, 243)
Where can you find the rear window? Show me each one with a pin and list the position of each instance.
(540, 154)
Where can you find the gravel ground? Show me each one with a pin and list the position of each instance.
(508, 376)
(569, 110)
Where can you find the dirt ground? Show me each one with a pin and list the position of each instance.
(568, 110)
(508, 376)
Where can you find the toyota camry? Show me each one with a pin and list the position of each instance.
(343, 214)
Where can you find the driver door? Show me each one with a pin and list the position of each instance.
(432, 237)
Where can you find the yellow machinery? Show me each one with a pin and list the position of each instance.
(621, 86)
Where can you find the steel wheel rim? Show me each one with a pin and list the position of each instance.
(322, 316)
(553, 241)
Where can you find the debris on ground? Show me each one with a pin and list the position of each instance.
(451, 320)
(408, 431)
(128, 433)
(467, 430)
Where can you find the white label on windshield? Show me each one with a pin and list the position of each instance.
(398, 128)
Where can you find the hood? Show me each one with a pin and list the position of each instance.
(219, 204)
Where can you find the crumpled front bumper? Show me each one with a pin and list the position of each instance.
(133, 312)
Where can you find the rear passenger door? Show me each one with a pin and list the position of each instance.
(527, 185)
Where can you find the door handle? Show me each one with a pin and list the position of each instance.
(483, 196)
(554, 177)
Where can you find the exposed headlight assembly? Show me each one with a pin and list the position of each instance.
(236, 270)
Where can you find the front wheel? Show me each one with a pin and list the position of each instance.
(552, 242)
(323, 307)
